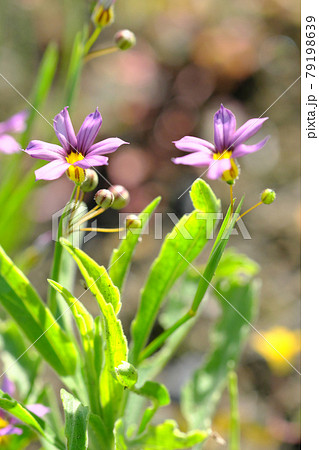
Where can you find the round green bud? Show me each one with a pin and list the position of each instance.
(104, 198)
(132, 221)
(121, 196)
(126, 374)
(125, 39)
(90, 182)
(268, 196)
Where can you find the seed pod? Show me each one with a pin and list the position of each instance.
(125, 39)
(126, 374)
(103, 13)
(90, 182)
(132, 221)
(268, 196)
(104, 198)
(121, 196)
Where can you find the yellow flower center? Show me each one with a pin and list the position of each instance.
(76, 174)
(228, 175)
(3, 423)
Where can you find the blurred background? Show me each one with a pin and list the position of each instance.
(190, 56)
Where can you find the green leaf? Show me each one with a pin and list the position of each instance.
(122, 256)
(76, 422)
(236, 264)
(25, 306)
(21, 370)
(96, 277)
(165, 436)
(111, 390)
(33, 421)
(83, 318)
(75, 67)
(41, 87)
(63, 267)
(201, 394)
(186, 240)
(159, 396)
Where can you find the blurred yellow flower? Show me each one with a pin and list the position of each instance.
(287, 343)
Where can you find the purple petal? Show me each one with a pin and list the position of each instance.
(46, 151)
(64, 130)
(194, 144)
(224, 128)
(9, 429)
(242, 150)
(92, 160)
(196, 159)
(52, 171)
(15, 124)
(247, 130)
(8, 144)
(8, 386)
(88, 131)
(38, 409)
(109, 145)
(217, 168)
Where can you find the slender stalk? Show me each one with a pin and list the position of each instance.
(231, 199)
(102, 52)
(159, 341)
(103, 230)
(248, 210)
(234, 411)
(55, 271)
(91, 40)
(90, 215)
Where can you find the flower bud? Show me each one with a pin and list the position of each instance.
(90, 182)
(132, 221)
(104, 198)
(121, 196)
(125, 39)
(268, 196)
(126, 374)
(103, 13)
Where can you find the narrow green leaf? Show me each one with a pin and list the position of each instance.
(25, 306)
(96, 277)
(76, 422)
(21, 370)
(41, 87)
(75, 67)
(201, 394)
(33, 421)
(181, 246)
(165, 436)
(122, 256)
(83, 318)
(111, 390)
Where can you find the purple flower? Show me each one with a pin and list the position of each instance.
(229, 144)
(77, 152)
(15, 124)
(8, 423)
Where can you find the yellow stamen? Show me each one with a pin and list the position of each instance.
(229, 175)
(76, 174)
(3, 439)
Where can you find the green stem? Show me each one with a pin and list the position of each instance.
(55, 271)
(234, 411)
(92, 40)
(159, 341)
(102, 52)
